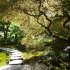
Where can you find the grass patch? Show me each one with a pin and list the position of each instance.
(4, 58)
(28, 55)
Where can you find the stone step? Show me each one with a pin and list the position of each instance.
(5, 67)
(13, 51)
(6, 49)
(16, 62)
(16, 58)
(18, 55)
(16, 52)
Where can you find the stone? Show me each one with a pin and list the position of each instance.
(16, 62)
(16, 67)
(67, 49)
(16, 58)
(18, 55)
(12, 51)
(5, 67)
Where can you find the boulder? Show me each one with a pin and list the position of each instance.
(67, 49)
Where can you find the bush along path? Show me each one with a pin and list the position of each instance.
(16, 60)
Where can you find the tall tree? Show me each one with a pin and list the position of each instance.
(46, 12)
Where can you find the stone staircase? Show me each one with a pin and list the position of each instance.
(16, 60)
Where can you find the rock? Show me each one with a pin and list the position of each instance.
(15, 67)
(16, 62)
(6, 49)
(18, 55)
(5, 67)
(67, 49)
(20, 46)
(3, 48)
(16, 52)
(16, 58)
(13, 51)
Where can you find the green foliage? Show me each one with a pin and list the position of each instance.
(11, 32)
(5, 4)
(44, 42)
(10, 40)
(2, 40)
(58, 29)
(16, 33)
(4, 57)
(58, 46)
(4, 27)
(64, 56)
(66, 4)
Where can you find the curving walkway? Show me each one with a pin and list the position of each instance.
(16, 60)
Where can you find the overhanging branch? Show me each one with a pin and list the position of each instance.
(27, 11)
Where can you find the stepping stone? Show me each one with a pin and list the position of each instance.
(12, 51)
(15, 50)
(16, 62)
(3, 48)
(16, 58)
(8, 49)
(18, 55)
(5, 67)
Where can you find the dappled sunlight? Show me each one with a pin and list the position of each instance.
(39, 29)
(28, 55)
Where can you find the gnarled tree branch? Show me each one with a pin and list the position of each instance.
(37, 16)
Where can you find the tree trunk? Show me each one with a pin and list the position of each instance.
(16, 40)
(5, 34)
